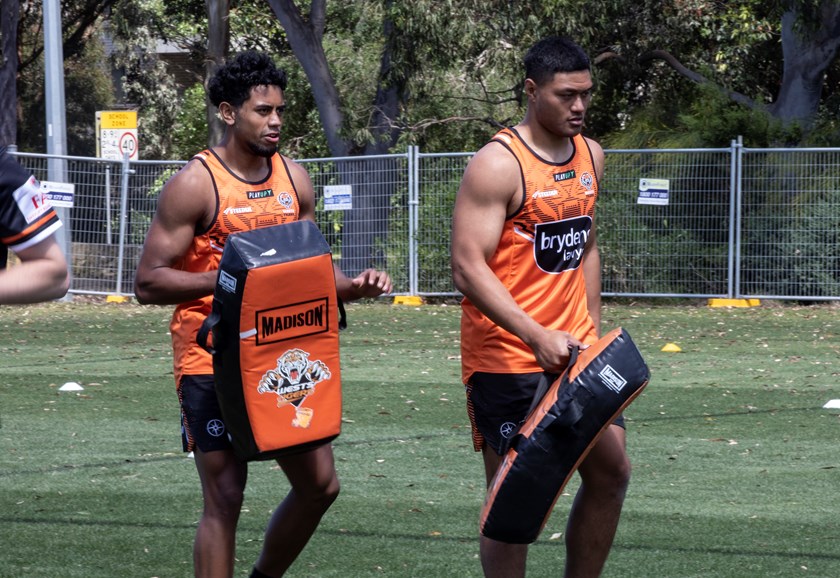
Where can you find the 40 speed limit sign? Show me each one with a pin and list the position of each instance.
(116, 132)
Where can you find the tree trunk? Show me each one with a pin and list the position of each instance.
(218, 41)
(366, 224)
(305, 40)
(9, 14)
(808, 51)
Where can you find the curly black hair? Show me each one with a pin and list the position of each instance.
(233, 82)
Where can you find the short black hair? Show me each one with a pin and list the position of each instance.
(233, 82)
(554, 54)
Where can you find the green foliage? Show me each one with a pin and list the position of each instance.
(705, 118)
(713, 119)
(189, 135)
(456, 67)
(87, 89)
(145, 82)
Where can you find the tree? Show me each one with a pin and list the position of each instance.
(810, 44)
(8, 71)
(409, 54)
(773, 58)
(218, 42)
(371, 202)
(80, 19)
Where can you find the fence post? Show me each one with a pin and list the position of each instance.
(735, 215)
(413, 218)
(123, 218)
(108, 233)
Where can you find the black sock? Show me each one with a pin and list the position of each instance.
(257, 574)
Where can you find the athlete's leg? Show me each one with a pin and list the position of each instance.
(223, 479)
(605, 474)
(314, 488)
(500, 559)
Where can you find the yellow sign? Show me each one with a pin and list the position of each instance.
(116, 134)
(109, 119)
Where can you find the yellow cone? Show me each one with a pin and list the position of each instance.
(672, 348)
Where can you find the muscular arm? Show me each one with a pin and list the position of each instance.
(370, 283)
(40, 276)
(592, 256)
(488, 189)
(184, 205)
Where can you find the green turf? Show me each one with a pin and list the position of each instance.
(736, 470)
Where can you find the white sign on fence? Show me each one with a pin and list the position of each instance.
(653, 192)
(338, 197)
(59, 194)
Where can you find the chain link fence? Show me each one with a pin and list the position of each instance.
(726, 223)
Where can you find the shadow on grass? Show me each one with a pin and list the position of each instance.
(671, 418)
(794, 555)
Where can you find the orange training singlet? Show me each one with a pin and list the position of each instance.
(241, 206)
(538, 259)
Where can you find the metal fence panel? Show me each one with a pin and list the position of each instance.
(678, 248)
(439, 176)
(738, 222)
(374, 232)
(789, 244)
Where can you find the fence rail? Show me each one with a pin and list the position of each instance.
(730, 223)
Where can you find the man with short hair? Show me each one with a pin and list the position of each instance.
(525, 256)
(27, 226)
(179, 266)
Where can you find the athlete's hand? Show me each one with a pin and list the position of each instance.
(552, 349)
(371, 283)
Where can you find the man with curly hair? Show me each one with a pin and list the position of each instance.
(223, 190)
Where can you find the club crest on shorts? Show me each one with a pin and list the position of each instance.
(292, 380)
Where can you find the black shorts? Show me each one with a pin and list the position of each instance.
(202, 425)
(498, 403)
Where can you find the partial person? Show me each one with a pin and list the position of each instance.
(525, 256)
(28, 224)
(241, 184)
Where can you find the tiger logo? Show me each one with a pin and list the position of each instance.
(292, 380)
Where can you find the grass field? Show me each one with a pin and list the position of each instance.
(736, 465)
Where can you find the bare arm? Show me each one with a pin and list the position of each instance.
(185, 205)
(488, 190)
(40, 276)
(591, 255)
(592, 279)
(370, 283)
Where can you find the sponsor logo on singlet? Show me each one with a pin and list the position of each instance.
(252, 195)
(31, 200)
(285, 199)
(564, 176)
(238, 210)
(587, 181)
(558, 246)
